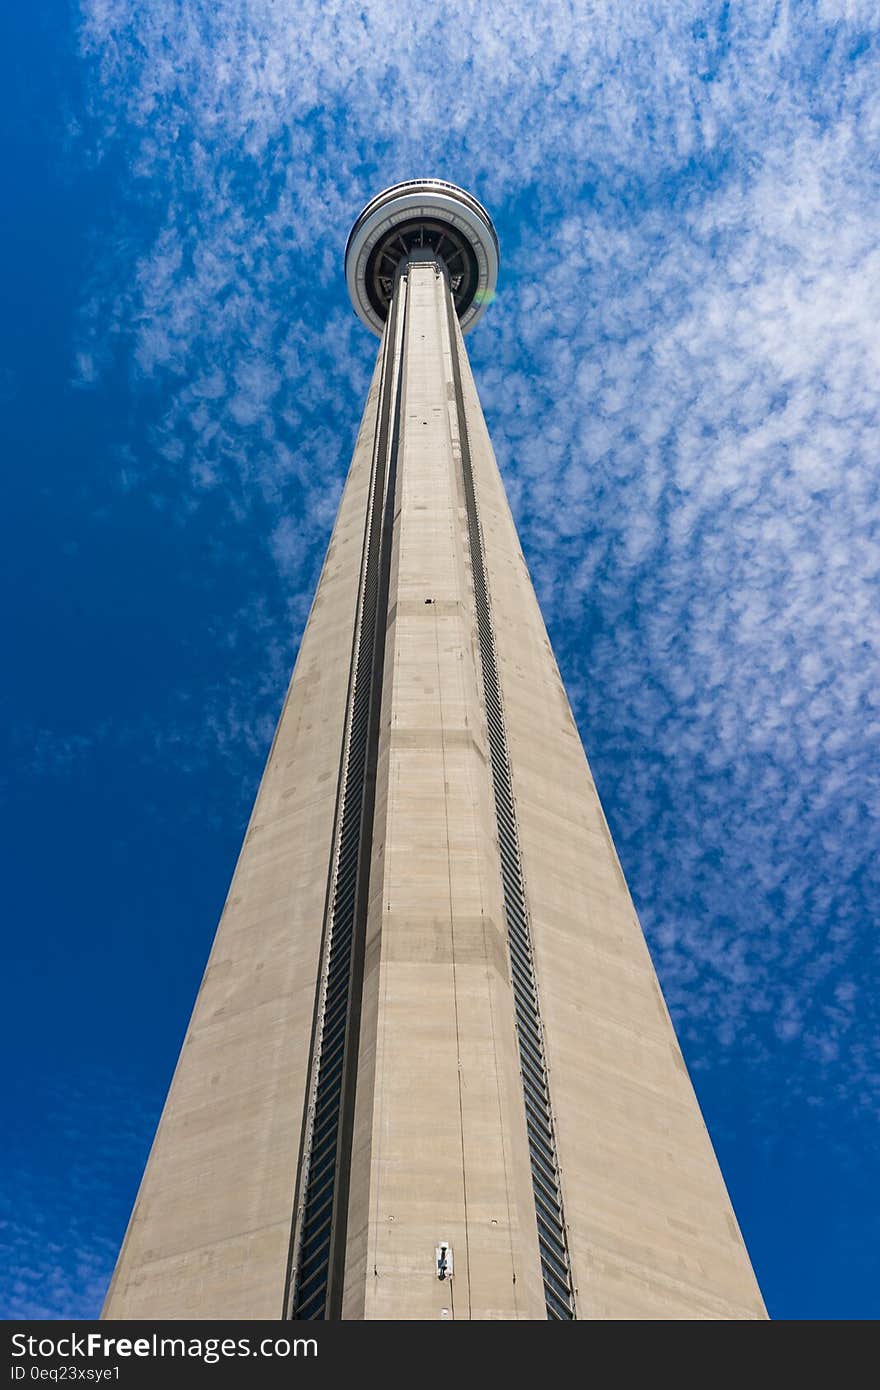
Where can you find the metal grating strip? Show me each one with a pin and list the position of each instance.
(318, 1244)
(552, 1245)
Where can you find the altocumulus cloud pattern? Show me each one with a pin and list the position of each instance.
(682, 392)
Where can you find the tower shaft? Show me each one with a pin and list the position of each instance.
(429, 1019)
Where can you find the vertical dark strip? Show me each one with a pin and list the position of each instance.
(552, 1244)
(318, 1253)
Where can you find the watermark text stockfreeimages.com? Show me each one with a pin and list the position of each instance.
(90, 1345)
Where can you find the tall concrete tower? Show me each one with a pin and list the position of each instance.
(429, 1073)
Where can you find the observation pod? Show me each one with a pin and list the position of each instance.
(429, 1073)
(421, 219)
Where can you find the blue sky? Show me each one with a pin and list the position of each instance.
(680, 375)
